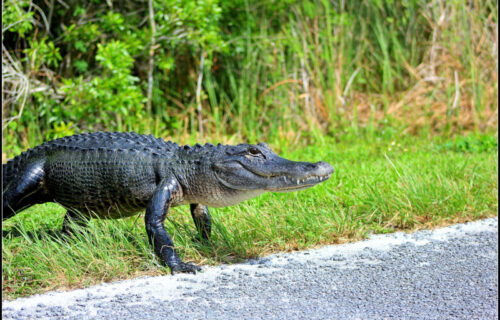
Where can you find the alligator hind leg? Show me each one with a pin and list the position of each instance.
(156, 211)
(24, 190)
(73, 217)
(201, 219)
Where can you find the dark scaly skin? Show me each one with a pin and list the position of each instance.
(114, 175)
(156, 211)
(201, 220)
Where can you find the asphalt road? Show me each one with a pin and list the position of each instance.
(449, 273)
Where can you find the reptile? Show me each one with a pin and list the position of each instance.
(118, 174)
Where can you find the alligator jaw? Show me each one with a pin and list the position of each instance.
(294, 184)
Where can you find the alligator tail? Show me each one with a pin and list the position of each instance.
(8, 178)
(22, 178)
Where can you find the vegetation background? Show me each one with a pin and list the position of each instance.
(247, 70)
(400, 96)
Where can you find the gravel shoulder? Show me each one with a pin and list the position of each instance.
(448, 273)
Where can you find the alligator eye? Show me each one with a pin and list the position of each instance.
(254, 151)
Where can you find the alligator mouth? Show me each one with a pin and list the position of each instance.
(293, 184)
(287, 183)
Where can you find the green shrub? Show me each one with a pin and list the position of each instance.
(283, 69)
(110, 97)
(472, 143)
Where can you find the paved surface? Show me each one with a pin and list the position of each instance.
(449, 273)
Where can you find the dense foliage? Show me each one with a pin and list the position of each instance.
(250, 69)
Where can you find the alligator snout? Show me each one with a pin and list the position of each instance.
(321, 168)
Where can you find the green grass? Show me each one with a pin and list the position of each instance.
(379, 186)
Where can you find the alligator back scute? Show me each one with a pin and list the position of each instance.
(112, 141)
(88, 170)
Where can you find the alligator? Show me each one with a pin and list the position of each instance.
(118, 174)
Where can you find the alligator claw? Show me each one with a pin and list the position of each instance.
(185, 268)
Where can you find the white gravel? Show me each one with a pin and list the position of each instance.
(448, 273)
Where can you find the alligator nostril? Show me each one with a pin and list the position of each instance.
(320, 168)
(311, 166)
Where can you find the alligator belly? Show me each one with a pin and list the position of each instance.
(119, 207)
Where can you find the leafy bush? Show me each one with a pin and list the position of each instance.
(472, 143)
(109, 97)
(252, 70)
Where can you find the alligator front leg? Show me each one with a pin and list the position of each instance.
(156, 211)
(201, 220)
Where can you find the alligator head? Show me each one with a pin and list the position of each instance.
(254, 169)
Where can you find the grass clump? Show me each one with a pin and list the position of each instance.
(376, 188)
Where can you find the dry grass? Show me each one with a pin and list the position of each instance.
(453, 89)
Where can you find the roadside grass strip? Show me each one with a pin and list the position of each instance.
(376, 188)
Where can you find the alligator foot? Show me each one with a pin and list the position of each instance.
(185, 268)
